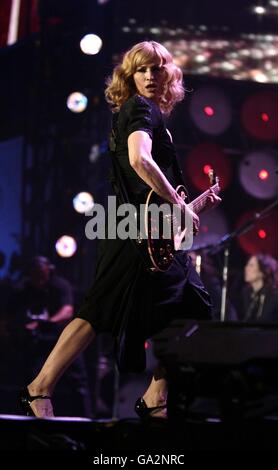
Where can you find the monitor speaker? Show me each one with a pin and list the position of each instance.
(232, 368)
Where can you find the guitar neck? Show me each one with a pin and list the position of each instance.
(198, 204)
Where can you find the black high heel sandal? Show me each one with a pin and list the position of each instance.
(25, 399)
(143, 411)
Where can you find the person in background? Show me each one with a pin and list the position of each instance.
(259, 298)
(43, 304)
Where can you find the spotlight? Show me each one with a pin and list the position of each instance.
(213, 226)
(257, 239)
(213, 103)
(66, 246)
(83, 202)
(259, 10)
(208, 110)
(206, 156)
(265, 117)
(261, 233)
(257, 174)
(259, 115)
(207, 169)
(263, 174)
(91, 44)
(77, 102)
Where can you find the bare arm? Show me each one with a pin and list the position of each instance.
(140, 157)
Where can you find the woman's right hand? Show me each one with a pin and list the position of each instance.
(189, 215)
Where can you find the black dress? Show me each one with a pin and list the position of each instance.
(126, 299)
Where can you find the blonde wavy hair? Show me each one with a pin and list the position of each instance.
(121, 85)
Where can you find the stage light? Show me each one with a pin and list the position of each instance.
(257, 239)
(265, 117)
(207, 156)
(259, 115)
(262, 233)
(77, 102)
(83, 202)
(66, 246)
(257, 174)
(91, 44)
(259, 76)
(259, 10)
(208, 110)
(263, 174)
(207, 169)
(213, 103)
(213, 226)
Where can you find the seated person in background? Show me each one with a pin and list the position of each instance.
(259, 299)
(44, 296)
(43, 304)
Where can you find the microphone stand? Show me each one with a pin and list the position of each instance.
(225, 244)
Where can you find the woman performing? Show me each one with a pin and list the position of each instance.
(128, 299)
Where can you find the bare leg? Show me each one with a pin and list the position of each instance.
(76, 336)
(156, 395)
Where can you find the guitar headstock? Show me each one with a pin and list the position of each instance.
(213, 178)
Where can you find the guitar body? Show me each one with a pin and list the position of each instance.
(164, 234)
(162, 241)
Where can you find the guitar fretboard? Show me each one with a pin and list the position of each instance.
(198, 204)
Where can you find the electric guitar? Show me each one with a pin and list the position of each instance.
(161, 242)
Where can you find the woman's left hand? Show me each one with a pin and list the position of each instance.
(212, 200)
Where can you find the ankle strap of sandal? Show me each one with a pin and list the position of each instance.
(36, 397)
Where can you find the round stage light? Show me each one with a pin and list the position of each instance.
(201, 159)
(262, 237)
(66, 246)
(259, 115)
(210, 110)
(207, 169)
(91, 44)
(262, 233)
(213, 226)
(263, 174)
(259, 10)
(265, 117)
(257, 174)
(83, 202)
(77, 102)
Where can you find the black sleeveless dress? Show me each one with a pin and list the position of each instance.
(127, 299)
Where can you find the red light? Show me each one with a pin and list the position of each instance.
(265, 117)
(147, 345)
(261, 233)
(209, 111)
(263, 174)
(207, 169)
